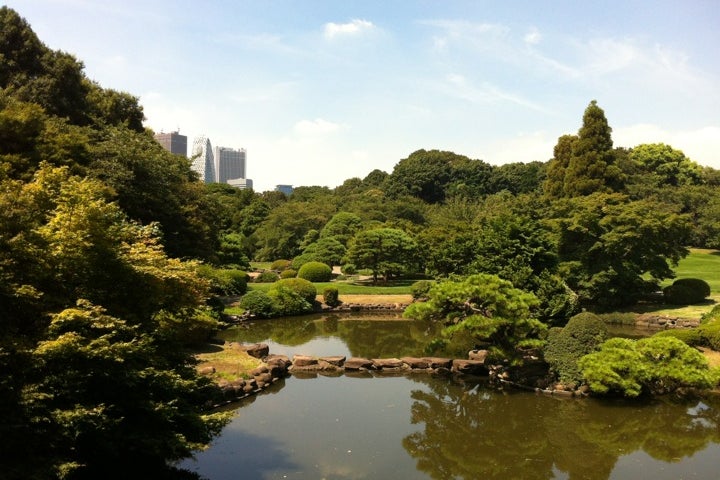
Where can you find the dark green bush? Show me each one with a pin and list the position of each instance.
(582, 335)
(287, 301)
(315, 272)
(331, 297)
(686, 291)
(303, 287)
(280, 265)
(420, 289)
(224, 281)
(691, 336)
(349, 269)
(267, 277)
(258, 303)
(289, 273)
(301, 260)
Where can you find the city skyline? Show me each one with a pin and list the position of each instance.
(322, 91)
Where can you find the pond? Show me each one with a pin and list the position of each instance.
(418, 426)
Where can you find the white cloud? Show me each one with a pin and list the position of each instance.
(316, 127)
(533, 37)
(353, 27)
(458, 86)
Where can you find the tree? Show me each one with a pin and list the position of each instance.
(665, 166)
(554, 186)
(483, 310)
(385, 251)
(342, 226)
(613, 250)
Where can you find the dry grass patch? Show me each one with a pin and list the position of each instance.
(229, 363)
(374, 299)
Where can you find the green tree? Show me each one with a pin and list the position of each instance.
(665, 166)
(554, 186)
(342, 226)
(385, 251)
(483, 310)
(613, 251)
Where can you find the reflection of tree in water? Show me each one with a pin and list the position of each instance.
(472, 432)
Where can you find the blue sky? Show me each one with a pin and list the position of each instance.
(321, 91)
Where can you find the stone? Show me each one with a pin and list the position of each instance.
(278, 360)
(385, 363)
(357, 363)
(337, 361)
(304, 361)
(206, 370)
(416, 363)
(263, 378)
(257, 350)
(479, 355)
(437, 362)
(469, 367)
(259, 370)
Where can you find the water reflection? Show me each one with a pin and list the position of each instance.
(470, 432)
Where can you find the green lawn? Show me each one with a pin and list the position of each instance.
(703, 264)
(400, 287)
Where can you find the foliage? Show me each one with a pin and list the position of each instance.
(289, 273)
(224, 281)
(386, 251)
(301, 286)
(686, 291)
(613, 250)
(231, 250)
(420, 289)
(664, 166)
(331, 297)
(327, 250)
(486, 310)
(315, 272)
(280, 265)
(656, 365)
(288, 301)
(267, 276)
(258, 303)
(349, 269)
(582, 335)
(342, 227)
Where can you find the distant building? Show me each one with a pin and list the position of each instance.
(286, 189)
(229, 164)
(202, 159)
(241, 183)
(173, 142)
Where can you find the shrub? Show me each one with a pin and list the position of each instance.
(331, 297)
(686, 291)
(658, 364)
(691, 336)
(267, 277)
(420, 289)
(191, 329)
(287, 301)
(582, 335)
(224, 281)
(315, 272)
(258, 303)
(280, 265)
(289, 273)
(303, 287)
(349, 269)
(301, 260)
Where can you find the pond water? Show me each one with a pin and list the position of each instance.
(419, 426)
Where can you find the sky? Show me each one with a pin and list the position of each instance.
(320, 91)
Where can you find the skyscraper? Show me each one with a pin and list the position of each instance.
(202, 159)
(173, 142)
(229, 163)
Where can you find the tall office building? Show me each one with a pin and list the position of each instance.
(202, 159)
(173, 142)
(229, 163)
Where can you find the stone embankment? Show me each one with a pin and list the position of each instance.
(663, 322)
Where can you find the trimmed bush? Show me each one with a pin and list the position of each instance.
(303, 287)
(331, 297)
(301, 260)
(289, 273)
(267, 277)
(258, 303)
(582, 335)
(420, 289)
(224, 281)
(349, 269)
(315, 272)
(686, 291)
(286, 301)
(280, 265)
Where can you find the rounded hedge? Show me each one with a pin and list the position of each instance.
(280, 265)
(289, 273)
(583, 333)
(303, 287)
(331, 297)
(267, 277)
(258, 303)
(420, 289)
(315, 272)
(349, 269)
(686, 291)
